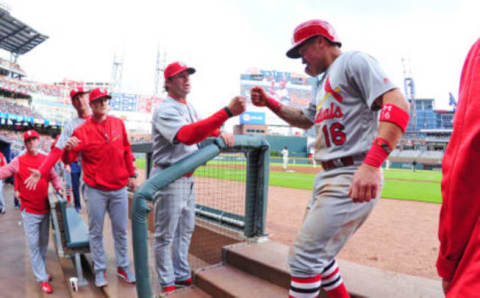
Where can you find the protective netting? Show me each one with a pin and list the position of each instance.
(231, 188)
(220, 188)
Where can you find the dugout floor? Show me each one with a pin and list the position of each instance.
(17, 280)
(16, 277)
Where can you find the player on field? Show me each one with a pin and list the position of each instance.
(351, 144)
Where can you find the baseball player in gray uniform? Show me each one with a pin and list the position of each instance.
(176, 130)
(351, 144)
(79, 99)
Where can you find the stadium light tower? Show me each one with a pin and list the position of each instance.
(409, 86)
(159, 67)
(117, 72)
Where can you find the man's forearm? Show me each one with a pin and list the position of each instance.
(294, 117)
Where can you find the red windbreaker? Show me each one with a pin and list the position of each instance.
(459, 228)
(106, 153)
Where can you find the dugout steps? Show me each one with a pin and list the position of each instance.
(260, 270)
(229, 281)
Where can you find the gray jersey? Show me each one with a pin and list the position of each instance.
(67, 131)
(167, 120)
(343, 110)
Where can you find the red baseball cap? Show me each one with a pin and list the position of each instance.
(175, 68)
(30, 134)
(77, 91)
(98, 93)
(309, 29)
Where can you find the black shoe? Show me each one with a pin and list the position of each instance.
(3, 211)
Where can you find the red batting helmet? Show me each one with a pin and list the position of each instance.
(309, 29)
(98, 93)
(176, 68)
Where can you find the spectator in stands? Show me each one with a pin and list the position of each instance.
(107, 164)
(34, 205)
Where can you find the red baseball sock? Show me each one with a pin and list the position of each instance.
(339, 292)
(308, 287)
(332, 282)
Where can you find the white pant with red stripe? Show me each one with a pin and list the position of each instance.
(331, 218)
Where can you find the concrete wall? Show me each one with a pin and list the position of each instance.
(297, 146)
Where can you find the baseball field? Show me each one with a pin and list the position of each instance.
(400, 184)
(401, 231)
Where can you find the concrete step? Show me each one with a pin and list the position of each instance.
(190, 292)
(268, 261)
(228, 281)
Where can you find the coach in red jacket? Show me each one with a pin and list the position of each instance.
(34, 204)
(459, 257)
(108, 168)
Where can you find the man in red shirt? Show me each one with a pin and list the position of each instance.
(458, 261)
(3, 162)
(34, 204)
(108, 168)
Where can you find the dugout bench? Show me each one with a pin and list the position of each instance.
(71, 234)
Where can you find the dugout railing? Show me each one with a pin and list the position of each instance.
(251, 223)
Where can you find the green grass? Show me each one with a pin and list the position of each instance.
(412, 191)
(435, 176)
(393, 189)
(415, 190)
(140, 162)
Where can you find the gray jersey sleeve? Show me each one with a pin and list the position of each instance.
(168, 122)
(67, 132)
(365, 72)
(310, 110)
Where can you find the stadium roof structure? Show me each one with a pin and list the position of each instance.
(15, 36)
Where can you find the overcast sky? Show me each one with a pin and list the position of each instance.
(222, 39)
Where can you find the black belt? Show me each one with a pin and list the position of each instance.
(337, 163)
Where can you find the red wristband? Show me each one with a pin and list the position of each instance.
(392, 113)
(378, 152)
(273, 105)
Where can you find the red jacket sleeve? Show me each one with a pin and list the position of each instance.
(198, 131)
(50, 161)
(129, 158)
(460, 167)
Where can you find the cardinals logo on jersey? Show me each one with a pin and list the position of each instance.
(333, 111)
(333, 92)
